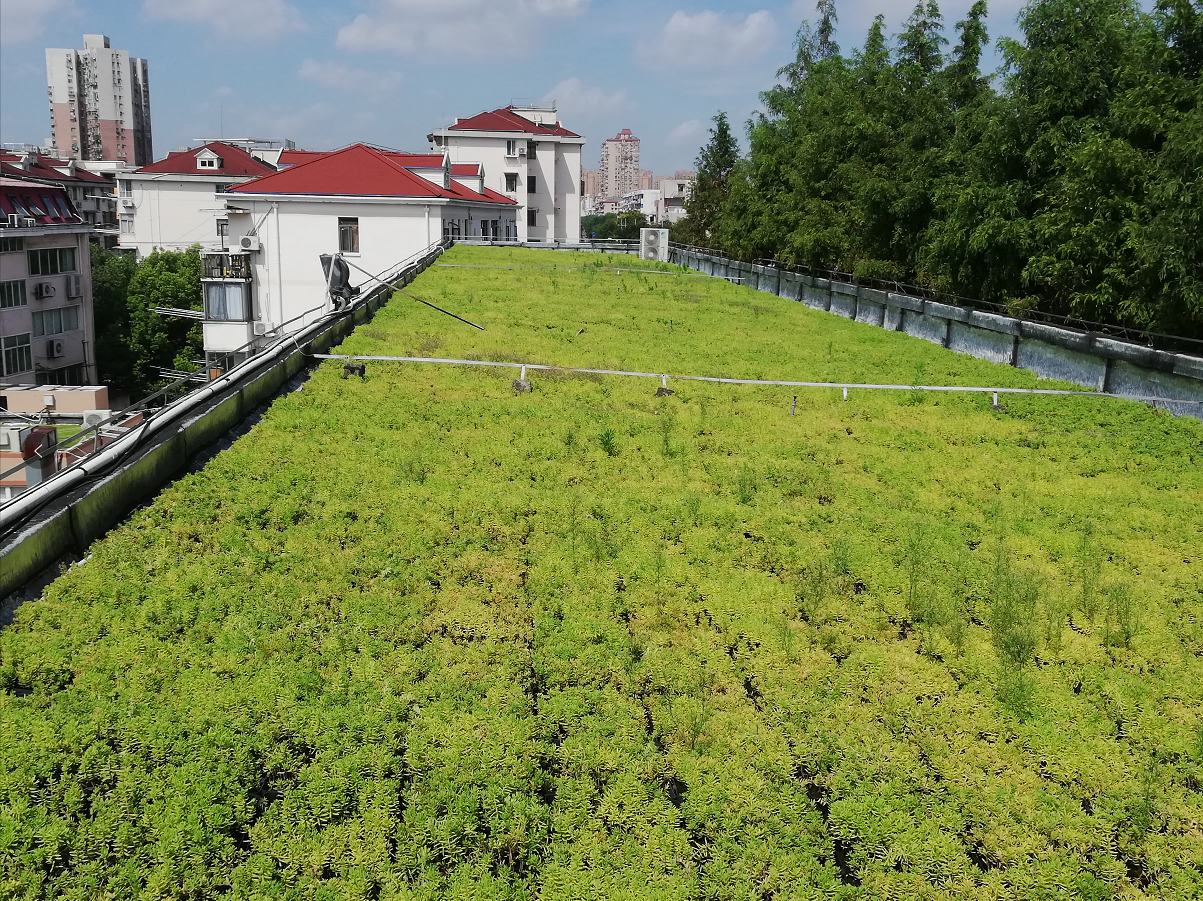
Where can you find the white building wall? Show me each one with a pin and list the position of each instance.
(556, 166)
(169, 212)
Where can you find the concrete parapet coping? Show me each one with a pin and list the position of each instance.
(993, 322)
(945, 311)
(906, 302)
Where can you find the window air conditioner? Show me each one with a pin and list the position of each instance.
(75, 286)
(248, 242)
(43, 290)
(54, 348)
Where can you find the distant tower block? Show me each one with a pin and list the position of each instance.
(620, 164)
(99, 103)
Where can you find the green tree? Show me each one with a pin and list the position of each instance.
(164, 279)
(711, 188)
(111, 276)
(613, 226)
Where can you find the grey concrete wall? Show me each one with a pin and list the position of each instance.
(981, 343)
(929, 328)
(1090, 360)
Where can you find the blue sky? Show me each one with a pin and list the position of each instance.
(387, 71)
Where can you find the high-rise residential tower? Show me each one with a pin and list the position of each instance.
(620, 164)
(99, 103)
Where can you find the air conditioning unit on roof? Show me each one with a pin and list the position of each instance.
(653, 244)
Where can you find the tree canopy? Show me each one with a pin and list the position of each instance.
(1068, 185)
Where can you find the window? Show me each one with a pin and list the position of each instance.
(52, 261)
(530, 148)
(127, 187)
(511, 147)
(12, 294)
(55, 322)
(19, 207)
(127, 225)
(532, 218)
(226, 302)
(530, 184)
(68, 375)
(12, 245)
(223, 229)
(348, 235)
(511, 182)
(17, 354)
(204, 163)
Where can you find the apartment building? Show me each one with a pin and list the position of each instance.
(620, 164)
(377, 208)
(47, 335)
(99, 103)
(531, 158)
(92, 195)
(169, 204)
(673, 194)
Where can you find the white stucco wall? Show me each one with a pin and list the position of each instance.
(171, 212)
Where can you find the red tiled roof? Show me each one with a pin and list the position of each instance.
(466, 169)
(234, 161)
(412, 160)
(296, 157)
(30, 199)
(359, 171)
(42, 167)
(505, 119)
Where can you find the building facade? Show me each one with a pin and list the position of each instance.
(375, 208)
(673, 194)
(92, 195)
(47, 336)
(169, 205)
(99, 103)
(620, 164)
(529, 157)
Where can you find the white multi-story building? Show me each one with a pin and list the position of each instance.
(169, 204)
(620, 164)
(99, 103)
(47, 335)
(377, 208)
(529, 157)
(642, 201)
(673, 194)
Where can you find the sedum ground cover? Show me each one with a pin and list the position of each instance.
(419, 636)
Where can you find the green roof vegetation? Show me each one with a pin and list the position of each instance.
(422, 636)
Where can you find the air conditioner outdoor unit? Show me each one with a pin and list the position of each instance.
(260, 329)
(95, 417)
(54, 348)
(653, 244)
(42, 290)
(14, 221)
(127, 202)
(75, 286)
(248, 242)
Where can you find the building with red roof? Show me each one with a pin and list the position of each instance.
(47, 336)
(376, 207)
(529, 156)
(92, 195)
(169, 204)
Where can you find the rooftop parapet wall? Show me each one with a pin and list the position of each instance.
(1084, 358)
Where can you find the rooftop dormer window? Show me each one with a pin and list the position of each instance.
(207, 159)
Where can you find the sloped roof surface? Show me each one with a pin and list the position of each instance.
(43, 167)
(359, 171)
(505, 119)
(30, 199)
(234, 161)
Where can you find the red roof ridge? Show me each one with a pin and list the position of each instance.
(245, 163)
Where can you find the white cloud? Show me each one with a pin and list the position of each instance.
(495, 28)
(339, 77)
(22, 20)
(709, 40)
(575, 99)
(231, 18)
(687, 132)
